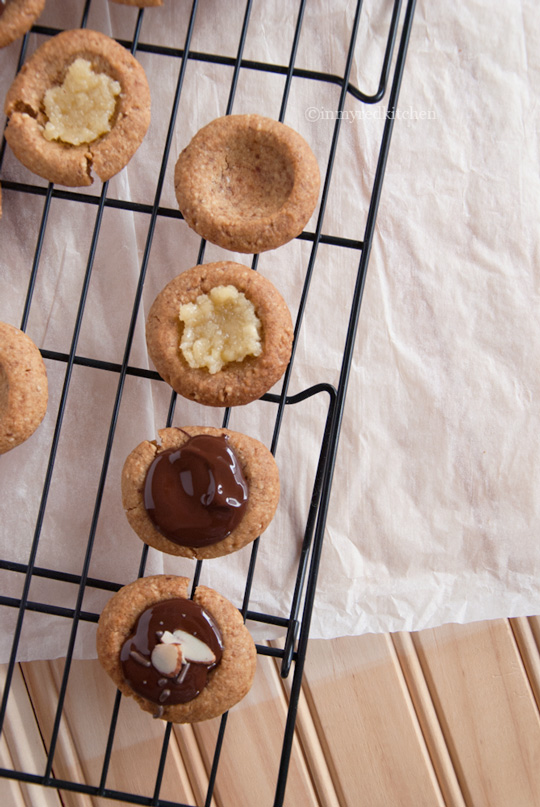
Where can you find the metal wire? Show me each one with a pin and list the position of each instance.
(297, 624)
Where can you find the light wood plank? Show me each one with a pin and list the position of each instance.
(487, 711)
(194, 762)
(427, 717)
(367, 725)
(24, 741)
(10, 789)
(529, 651)
(137, 742)
(43, 691)
(310, 743)
(250, 755)
(534, 622)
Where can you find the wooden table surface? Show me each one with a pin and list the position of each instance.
(445, 717)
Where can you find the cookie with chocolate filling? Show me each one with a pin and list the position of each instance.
(220, 334)
(23, 387)
(80, 104)
(247, 183)
(17, 17)
(201, 493)
(183, 660)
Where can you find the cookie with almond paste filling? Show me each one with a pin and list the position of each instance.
(239, 340)
(146, 643)
(247, 183)
(202, 492)
(80, 105)
(23, 387)
(17, 17)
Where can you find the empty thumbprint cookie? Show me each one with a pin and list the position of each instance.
(181, 659)
(247, 183)
(81, 104)
(202, 492)
(220, 334)
(23, 387)
(17, 17)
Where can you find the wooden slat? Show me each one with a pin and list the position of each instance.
(529, 651)
(309, 740)
(250, 756)
(487, 711)
(534, 622)
(137, 743)
(194, 762)
(366, 724)
(11, 791)
(442, 717)
(44, 694)
(23, 744)
(429, 722)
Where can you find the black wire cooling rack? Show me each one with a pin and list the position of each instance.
(297, 625)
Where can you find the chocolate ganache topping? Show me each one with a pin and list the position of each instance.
(196, 495)
(173, 647)
(3, 4)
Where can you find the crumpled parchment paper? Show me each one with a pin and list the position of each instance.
(435, 507)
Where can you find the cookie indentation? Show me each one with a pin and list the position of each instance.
(219, 327)
(238, 381)
(196, 495)
(80, 105)
(254, 177)
(81, 109)
(225, 665)
(240, 511)
(247, 183)
(172, 667)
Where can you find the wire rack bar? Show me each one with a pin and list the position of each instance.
(297, 624)
(120, 388)
(342, 391)
(165, 212)
(267, 67)
(89, 790)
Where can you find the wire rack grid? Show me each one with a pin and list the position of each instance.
(292, 654)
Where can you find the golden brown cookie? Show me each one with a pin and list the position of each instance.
(17, 17)
(23, 387)
(247, 183)
(238, 382)
(108, 153)
(227, 681)
(199, 530)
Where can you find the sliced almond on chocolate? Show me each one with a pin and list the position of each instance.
(167, 659)
(193, 649)
(168, 638)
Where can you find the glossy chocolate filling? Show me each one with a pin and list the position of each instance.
(135, 656)
(196, 495)
(3, 4)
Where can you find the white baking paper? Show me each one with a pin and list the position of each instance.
(434, 514)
